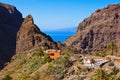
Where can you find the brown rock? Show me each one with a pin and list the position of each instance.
(30, 37)
(10, 21)
(97, 31)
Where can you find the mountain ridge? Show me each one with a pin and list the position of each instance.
(97, 31)
(10, 21)
(31, 36)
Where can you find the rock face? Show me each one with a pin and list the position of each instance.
(30, 37)
(10, 21)
(18, 35)
(97, 31)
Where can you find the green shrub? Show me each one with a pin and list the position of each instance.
(33, 63)
(7, 77)
(38, 52)
(112, 47)
(45, 48)
(101, 54)
(68, 53)
(96, 54)
(58, 71)
(45, 59)
(63, 60)
(103, 75)
(29, 67)
(81, 60)
(23, 62)
(25, 76)
(79, 69)
(83, 69)
(111, 63)
(115, 70)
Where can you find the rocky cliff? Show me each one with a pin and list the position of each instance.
(10, 21)
(30, 37)
(18, 35)
(98, 30)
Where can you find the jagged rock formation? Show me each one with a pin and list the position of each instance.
(26, 33)
(30, 37)
(10, 21)
(97, 31)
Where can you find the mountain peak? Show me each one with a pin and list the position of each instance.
(28, 20)
(31, 36)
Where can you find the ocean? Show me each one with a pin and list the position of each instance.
(60, 35)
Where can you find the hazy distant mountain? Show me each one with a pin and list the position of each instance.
(69, 29)
(98, 31)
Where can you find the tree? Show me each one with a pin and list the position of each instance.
(112, 47)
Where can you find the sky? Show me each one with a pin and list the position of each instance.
(58, 14)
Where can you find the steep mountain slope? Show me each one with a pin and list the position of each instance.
(30, 37)
(19, 35)
(10, 21)
(98, 31)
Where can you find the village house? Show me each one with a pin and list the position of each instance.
(53, 53)
(113, 58)
(89, 62)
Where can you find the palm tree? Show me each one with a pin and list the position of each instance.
(112, 47)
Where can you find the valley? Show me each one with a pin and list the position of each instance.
(91, 53)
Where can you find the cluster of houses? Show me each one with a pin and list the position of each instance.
(98, 62)
(87, 61)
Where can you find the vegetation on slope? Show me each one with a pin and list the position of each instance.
(37, 65)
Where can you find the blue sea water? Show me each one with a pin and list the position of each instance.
(60, 35)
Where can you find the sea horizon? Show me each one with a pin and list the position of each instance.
(61, 34)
